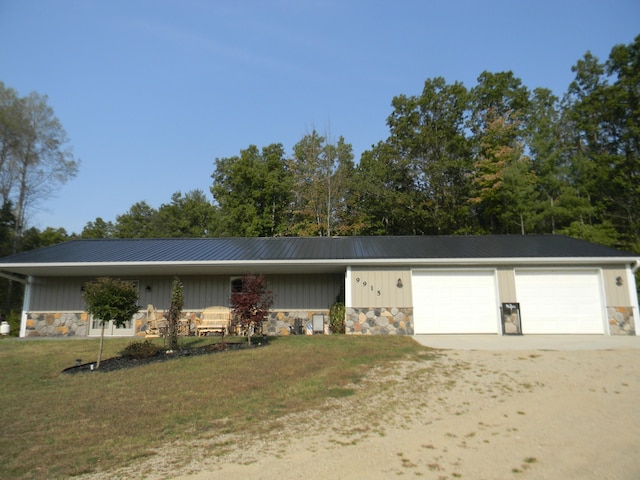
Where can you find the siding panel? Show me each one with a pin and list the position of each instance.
(617, 295)
(378, 287)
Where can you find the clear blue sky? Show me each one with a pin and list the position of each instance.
(151, 92)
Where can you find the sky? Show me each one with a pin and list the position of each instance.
(151, 92)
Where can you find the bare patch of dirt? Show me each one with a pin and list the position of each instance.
(463, 414)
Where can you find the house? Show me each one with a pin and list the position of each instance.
(533, 284)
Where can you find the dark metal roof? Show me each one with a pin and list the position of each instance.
(283, 250)
(313, 248)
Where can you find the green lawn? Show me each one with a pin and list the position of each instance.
(56, 425)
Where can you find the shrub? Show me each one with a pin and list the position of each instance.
(336, 318)
(144, 349)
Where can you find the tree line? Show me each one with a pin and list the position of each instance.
(496, 158)
(493, 158)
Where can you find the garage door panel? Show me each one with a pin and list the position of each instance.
(455, 302)
(560, 301)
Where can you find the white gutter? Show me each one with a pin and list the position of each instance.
(636, 266)
(340, 261)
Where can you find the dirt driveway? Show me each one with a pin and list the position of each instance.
(474, 414)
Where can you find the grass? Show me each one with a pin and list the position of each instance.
(56, 425)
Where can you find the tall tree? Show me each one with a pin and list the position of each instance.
(623, 66)
(34, 154)
(548, 141)
(323, 175)
(389, 202)
(312, 169)
(503, 181)
(191, 215)
(423, 166)
(602, 109)
(253, 192)
(344, 215)
(99, 229)
(140, 221)
(501, 94)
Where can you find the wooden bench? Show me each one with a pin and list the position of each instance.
(214, 320)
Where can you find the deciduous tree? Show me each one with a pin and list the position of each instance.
(35, 157)
(188, 216)
(141, 221)
(253, 192)
(110, 299)
(250, 303)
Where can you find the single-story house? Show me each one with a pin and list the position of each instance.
(529, 284)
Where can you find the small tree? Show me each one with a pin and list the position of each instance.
(175, 310)
(110, 299)
(336, 318)
(251, 303)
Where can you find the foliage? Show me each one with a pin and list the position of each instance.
(493, 157)
(337, 318)
(141, 349)
(253, 192)
(110, 299)
(139, 222)
(323, 178)
(250, 304)
(34, 156)
(188, 216)
(175, 311)
(98, 229)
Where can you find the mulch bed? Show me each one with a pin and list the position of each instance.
(118, 363)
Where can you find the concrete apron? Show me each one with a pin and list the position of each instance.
(529, 342)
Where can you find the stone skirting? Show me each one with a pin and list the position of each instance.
(287, 322)
(76, 324)
(379, 321)
(68, 324)
(621, 321)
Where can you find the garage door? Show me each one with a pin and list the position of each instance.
(560, 301)
(455, 302)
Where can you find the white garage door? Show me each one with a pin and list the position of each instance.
(560, 301)
(455, 302)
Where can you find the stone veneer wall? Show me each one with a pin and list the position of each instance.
(280, 321)
(76, 324)
(379, 321)
(69, 324)
(621, 321)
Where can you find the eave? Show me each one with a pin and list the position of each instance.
(95, 269)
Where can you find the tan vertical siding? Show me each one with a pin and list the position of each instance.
(616, 295)
(506, 285)
(378, 287)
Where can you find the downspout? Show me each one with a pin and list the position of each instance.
(634, 295)
(26, 302)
